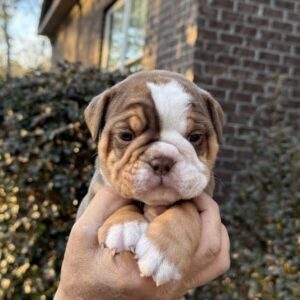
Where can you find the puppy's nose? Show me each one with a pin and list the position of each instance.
(161, 165)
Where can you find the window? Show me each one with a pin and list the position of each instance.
(124, 35)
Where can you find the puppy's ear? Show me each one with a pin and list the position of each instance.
(95, 112)
(216, 114)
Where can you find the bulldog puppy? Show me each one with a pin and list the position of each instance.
(157, 135)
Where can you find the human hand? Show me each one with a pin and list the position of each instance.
(92, 272)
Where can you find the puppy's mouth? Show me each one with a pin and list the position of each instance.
(180, 183)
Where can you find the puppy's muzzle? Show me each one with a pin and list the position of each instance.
(162, 165)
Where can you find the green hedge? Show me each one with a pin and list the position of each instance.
(46, 162)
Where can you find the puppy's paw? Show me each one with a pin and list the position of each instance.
(166, 249)
(124, 236)
(153, 262)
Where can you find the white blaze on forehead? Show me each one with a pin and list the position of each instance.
(171, 102)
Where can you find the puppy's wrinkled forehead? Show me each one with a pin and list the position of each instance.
(166, 94)
(159, 100)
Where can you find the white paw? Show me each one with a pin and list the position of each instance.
(124, 237)
(152, 263)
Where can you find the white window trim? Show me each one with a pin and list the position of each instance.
(105, 47)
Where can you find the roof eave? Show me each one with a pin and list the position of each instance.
(54, 15)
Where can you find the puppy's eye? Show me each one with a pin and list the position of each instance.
(126, 136)
(195, 137)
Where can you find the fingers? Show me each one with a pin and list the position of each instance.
(205, 203)
(218, 266)
(210, 232)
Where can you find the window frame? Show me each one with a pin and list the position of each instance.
(124, 63)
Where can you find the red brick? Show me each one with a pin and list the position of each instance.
(223, 3)
(264, 77)
(293, 16)
(219, 25)
(229, 164)
(293, 104)
(243, 130)
(240, 97)
(231, 38)
(228, 129)
(217, 93)
(252, 64)
(208, 11)
(247, 109)
(285, 4)
(227, 83)
(275, 68)
(241, 29)
(206, 80)
(228, 60)
(292, 39)
(262, 100)
(208, 34)
(296, 71)
(247, 8)
(263, 55)
(232, 16)
(275, 13)
(227, 153)
(291, 60)
(271, 35)
(238, 141)
(280, 47)
(291, 82)
(229, 107)
(240, 73)
(283, 26)
(258, 21)
(266, 2)
(256, 43)
(216, 47)
(297, 50)
(245, 52)
(245, 153)
(204, 56)
(215, 69)
(253, 87)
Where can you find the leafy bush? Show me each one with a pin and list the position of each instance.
(46, 162)
(263, 217)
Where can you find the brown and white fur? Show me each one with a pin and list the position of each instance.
(158, 136)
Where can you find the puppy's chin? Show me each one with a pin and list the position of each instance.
(160, 195)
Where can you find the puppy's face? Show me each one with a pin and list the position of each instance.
(157, 136)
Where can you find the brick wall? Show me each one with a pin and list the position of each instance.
(239, 49)
(171, 35)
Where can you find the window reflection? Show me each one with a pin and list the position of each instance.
(116, 37)
(124, 35)
(136, 29)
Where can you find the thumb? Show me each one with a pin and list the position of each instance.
(105, 203)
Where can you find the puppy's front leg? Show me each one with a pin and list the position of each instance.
(169, 243)
(123, 229)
